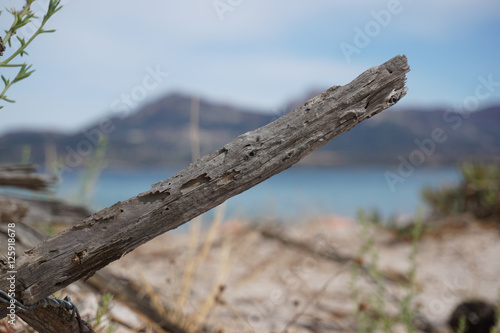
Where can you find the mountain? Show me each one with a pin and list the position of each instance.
(443, 137)
(158, 135)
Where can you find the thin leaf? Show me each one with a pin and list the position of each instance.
(5, 81)
(23, 73)
(21, 40)
(8, 100)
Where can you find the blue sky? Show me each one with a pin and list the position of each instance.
(253, 53)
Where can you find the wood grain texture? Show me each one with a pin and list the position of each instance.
(126, 291)
(241, 164)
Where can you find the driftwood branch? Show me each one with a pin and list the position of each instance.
(241, 164)
(50, 319)
(24, 176)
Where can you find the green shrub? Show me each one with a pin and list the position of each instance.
(478, 193)
(371, 307)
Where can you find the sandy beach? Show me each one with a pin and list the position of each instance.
(302, 277)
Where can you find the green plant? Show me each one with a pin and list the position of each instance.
(462, 325)
(374, 216)
(478, 193)
(408, 311)
(26, 155)
(102, 310)
(22, 18)
(89, 175)
(371, 313)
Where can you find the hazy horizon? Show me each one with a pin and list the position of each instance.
(277, 110)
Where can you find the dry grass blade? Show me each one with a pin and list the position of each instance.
(210, 301)
(187, 279)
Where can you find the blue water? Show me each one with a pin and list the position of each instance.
(295, 194)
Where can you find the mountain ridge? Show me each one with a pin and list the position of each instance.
(158, 135)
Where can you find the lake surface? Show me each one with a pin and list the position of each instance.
(293, 195)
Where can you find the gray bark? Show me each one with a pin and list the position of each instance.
(241, 164)
(104, 281)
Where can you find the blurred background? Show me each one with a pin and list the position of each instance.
(110, 106)
(127, 93)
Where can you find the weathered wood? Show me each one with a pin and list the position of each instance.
(32, 211)
(241, 164)
(43, 320)
(103, 281)
(23, 176)
(51, 320)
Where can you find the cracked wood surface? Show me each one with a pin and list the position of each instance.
(241, 164)
(52, 319)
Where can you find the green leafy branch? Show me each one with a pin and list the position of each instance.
(22, 18)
